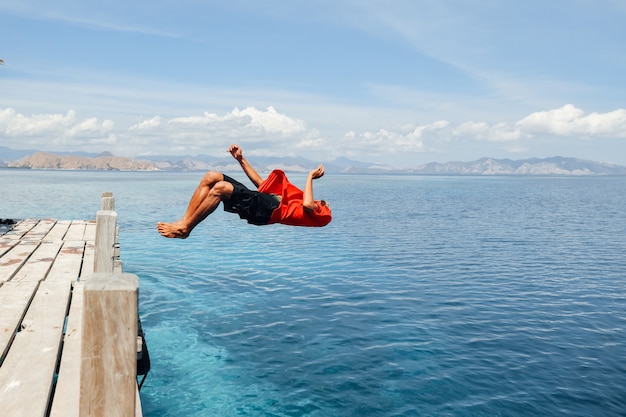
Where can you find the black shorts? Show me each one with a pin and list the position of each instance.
(251, 205)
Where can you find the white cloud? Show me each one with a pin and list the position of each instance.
(405, 139)
(566, 121)
(191, 121)
(209, 132)
(62, 130)
(271, 121)
(18, 125)
(251, 120)
(557, 121)
(312, 140)
(572, 121)
(147, 124)
(481, 131)
(472, 129)
(91, 127)
(607, 124)
(268, 132)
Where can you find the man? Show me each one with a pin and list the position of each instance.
(276, 201)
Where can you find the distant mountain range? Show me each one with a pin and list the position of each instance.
(10, 158)
(105, 161)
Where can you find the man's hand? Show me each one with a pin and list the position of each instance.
(235, 151)
(318, 172)
(254, 176)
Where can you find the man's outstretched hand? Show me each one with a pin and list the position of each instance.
(235, 151)
(318, 172)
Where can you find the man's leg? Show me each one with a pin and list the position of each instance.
(205, 199)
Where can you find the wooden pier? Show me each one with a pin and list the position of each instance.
(69, 340)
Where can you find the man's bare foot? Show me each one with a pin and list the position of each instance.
(173, 230)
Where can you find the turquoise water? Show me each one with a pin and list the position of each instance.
(426, 296)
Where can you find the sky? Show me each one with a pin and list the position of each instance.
(391, 82)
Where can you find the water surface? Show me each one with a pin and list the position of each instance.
(442, 296)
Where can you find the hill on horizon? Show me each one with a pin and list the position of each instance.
(484, 166)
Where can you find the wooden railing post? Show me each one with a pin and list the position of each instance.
(108, 201)
(109, 346)
(106, 224)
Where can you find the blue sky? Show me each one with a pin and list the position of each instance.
(395, 82)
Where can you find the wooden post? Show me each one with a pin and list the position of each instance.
(108, 201)
(106, 223)
(109, 347)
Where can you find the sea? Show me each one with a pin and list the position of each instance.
(425, 296)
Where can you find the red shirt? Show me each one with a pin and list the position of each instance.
(291, 211)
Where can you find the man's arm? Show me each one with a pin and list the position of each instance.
(254, 176)
(307, 201)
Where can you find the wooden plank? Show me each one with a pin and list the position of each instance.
(76, 231)
(109, 354)
(39, 230)
(6, 244)
(39, 263)
(15, 258)
(14, 300)
(88, 260)
(66, 267)
(90, 231)
(138, 409)
(27, 373)
(67, 393)
(58, 231)
(26, 279)
(21, 228)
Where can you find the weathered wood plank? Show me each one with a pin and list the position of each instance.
(14, 299)
(6, 244)
(90, 250)
(138, 409)
(109, 346)
(76, 231)
(66, 267)
(39, 263)
(88, 260)
(21, 228)
(15, 258)
(26, 375)
(40, 230)
(58, 231)
(67, 393)
(90, 231)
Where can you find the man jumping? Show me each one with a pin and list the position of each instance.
(275, 201)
